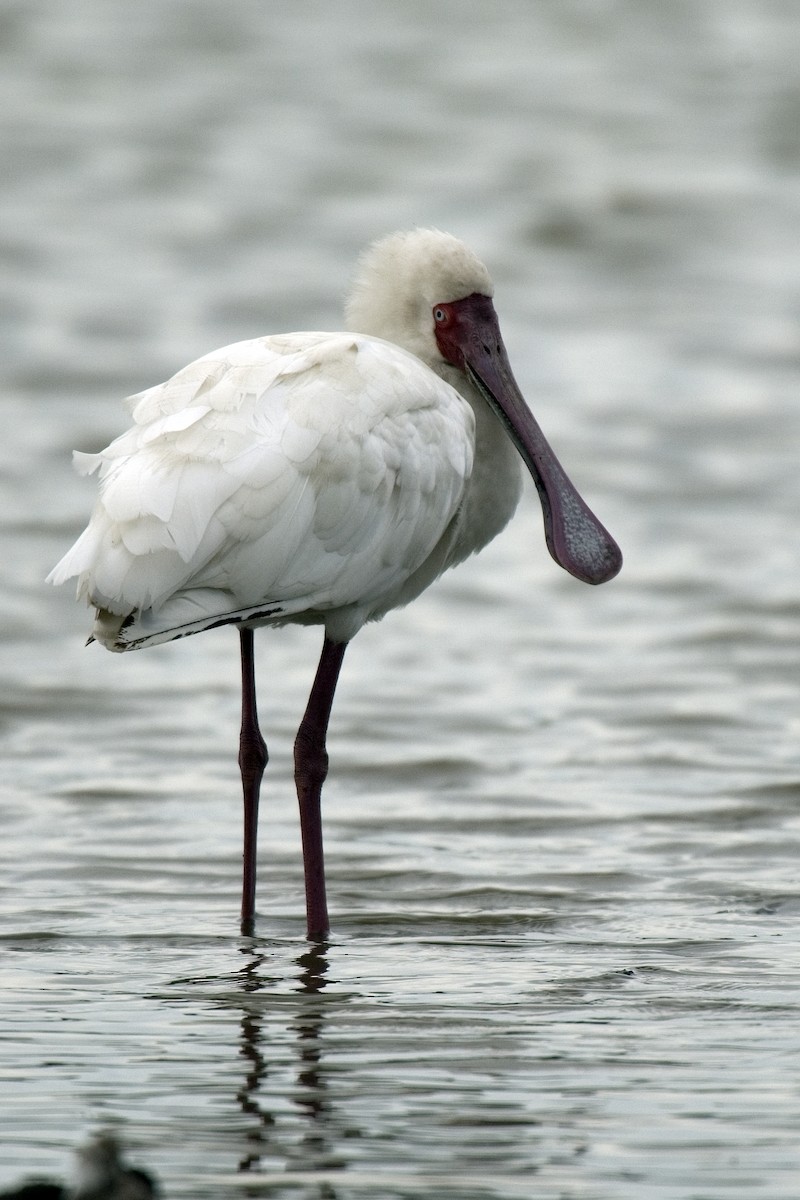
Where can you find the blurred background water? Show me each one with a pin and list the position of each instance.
(561, 822)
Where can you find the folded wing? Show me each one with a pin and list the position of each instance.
(277, 479)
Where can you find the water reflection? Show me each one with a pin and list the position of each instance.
(315, 1149)
(313, 1099)
(263, 1121)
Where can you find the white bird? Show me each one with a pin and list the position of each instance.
(322, 478)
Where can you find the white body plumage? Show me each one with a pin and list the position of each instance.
(310, 477)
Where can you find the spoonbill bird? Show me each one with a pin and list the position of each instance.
(322, 478)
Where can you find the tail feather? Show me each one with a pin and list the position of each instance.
(192, 612)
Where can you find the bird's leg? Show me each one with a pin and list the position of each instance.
(310, 769)
(252, 760)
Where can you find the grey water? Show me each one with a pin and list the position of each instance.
(562, 822)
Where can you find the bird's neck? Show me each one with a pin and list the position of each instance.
(495, 485)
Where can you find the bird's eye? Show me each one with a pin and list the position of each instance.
(440, 315)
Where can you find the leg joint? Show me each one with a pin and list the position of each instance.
(310, 758)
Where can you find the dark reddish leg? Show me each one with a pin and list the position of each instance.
(252, 760)
(310, 769)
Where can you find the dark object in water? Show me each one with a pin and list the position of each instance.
(101, 1175)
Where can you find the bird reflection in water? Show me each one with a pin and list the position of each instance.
(314, 1151)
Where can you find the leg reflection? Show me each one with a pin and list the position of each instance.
(258, 1134)
(316, 1148)
(311, 1098)
(271, 1139)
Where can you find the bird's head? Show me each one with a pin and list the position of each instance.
(403, 279)
(427, 292)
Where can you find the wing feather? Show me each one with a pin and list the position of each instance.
(309, 472)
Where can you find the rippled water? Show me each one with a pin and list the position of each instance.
(562, 823)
